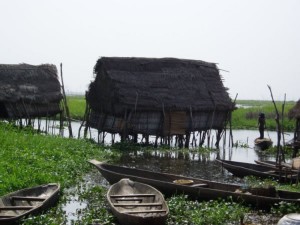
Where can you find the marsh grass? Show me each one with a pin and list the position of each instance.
(245, 117)
(184, 211)
(76, 104)
(29, 158)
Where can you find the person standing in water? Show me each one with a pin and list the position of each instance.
(261, 125)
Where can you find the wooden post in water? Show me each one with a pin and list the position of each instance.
(280, 153)
(65, 103)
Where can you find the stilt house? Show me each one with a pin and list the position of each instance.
(28, 91)
(294, 113)
(164, 97)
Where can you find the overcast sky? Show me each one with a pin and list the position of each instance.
(256, 41)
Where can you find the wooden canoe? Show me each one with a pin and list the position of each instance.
(293, 166)
(135, 203)
(273, 164)
(170, 184)
(29, 201)
(242, 169)
(263, 143)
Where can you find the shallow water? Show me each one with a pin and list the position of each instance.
(187, 163)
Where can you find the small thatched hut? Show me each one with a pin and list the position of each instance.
(157, 96)
(294, 113)
(28, 91)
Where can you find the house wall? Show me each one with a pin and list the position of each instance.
(298, 130)
(158, 123)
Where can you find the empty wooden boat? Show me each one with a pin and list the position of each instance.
(242, 169)
(135, 203)
(170, 184)
(292, 166)
(273, 164)
(19, 204)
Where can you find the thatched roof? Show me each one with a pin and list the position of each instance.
(294, 113)
(29, 83)
(27, 90)
(157, 83)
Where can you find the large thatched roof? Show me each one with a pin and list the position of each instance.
(29, 83)
(27, 90)
(294, 113)
(156, 83)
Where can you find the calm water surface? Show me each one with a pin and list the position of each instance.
(187, 163)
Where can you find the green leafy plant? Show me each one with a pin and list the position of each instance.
(184, 211)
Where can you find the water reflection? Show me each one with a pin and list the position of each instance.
(191, 163)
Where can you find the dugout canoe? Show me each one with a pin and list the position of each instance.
(29, 201)
(294, 166)
(273, 164)
(242, 169)
(135, 203)
(200, 189)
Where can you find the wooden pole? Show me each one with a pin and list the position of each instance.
(230, 123)
(282, 128)
(280, 154)
(65, 103)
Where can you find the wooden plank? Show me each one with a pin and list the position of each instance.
(138, 204)
(6, 216)
(128, 199)
(145, 211)
(27, 198)
(199, 185)
(17, 207)
(132, 195)
(271, 171)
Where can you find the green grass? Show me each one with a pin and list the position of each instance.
(245, 117)
(183, 211)
(29, 159)
(76, 106)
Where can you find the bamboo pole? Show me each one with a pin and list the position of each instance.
(65, 102)
(279, 154)
(230, 123)
(85, 117)
(282, 127)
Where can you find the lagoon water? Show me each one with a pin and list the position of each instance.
(244, 139)
(191, 162)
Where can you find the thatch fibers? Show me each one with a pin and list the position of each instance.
(28, 91)
(157, 96)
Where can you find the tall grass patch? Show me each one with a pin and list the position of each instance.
(29, 159)
(77, 105)
(246, 116)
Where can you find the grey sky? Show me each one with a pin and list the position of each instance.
(257, 41)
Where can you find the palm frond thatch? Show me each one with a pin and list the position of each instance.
(157, 95)
(28, 91)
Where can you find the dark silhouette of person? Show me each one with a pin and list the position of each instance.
(261, 125)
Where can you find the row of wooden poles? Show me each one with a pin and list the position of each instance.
(171, 140)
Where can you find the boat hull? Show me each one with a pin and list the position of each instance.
(200, 189)
(29, 201)
(241, 169)
(135, 203)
